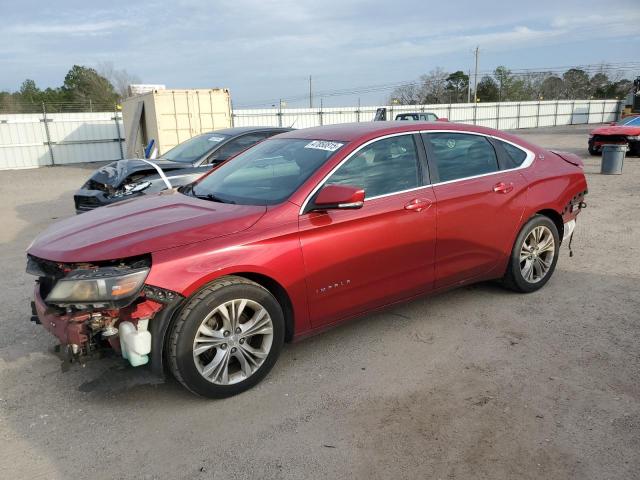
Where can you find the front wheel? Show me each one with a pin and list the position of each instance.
(227, 338)
(534, 256)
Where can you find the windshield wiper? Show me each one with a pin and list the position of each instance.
(213, 198)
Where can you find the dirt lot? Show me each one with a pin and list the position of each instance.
(475, 383)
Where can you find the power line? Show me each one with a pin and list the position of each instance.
(587, 68)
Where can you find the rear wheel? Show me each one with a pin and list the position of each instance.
(227, 338)
(534, 255)
(594, 151)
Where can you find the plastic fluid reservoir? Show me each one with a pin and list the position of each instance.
(135, 343)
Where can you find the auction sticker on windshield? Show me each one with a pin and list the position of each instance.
(324, 145)
(216, 139)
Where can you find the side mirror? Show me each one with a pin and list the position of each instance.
(339, 197)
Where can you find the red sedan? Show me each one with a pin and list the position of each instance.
(625, 132)
(301, 232)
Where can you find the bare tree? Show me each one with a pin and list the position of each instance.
(434, 87)
(407, 94)
(120, 79)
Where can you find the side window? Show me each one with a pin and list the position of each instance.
(515, 155)
(237, 145)
(386, 166)
(431, 117)
(460, 155)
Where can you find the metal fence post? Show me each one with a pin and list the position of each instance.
(518, 116)
(555, 113)
(498, 116)
(279, 113)
(320, 119)
(45, 120)
(115, 119)
(588, 112)
(475, 112)
(573, 108)
(538, 115)
(449, 112)
(604, 105)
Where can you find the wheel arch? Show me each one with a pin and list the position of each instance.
(555, 217)
(278, 291)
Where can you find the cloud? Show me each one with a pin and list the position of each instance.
(52, 28)
(267, 48)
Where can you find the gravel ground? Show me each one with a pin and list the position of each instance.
(474, 383)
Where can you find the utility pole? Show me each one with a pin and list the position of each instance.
(475, 77)
(310, 93)
(469, 87)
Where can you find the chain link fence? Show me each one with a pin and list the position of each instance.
(11, 106)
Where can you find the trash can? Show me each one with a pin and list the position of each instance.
(612, 159)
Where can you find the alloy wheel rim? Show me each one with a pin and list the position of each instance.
(536, 254)
(233, 341)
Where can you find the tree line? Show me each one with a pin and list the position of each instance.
(439, 86)
(83, 89)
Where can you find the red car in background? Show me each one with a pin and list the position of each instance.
(625, 132)
(301, 232)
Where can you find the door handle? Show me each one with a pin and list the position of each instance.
(418, 204)
(503, 187)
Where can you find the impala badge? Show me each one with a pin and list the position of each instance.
(332, 287)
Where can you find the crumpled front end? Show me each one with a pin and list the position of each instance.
(73, 302)
(119, 181)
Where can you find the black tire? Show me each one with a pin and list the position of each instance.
(181, 341)
(513, 278)
(594, 152)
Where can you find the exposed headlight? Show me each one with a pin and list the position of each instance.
(130, 188)
(109, 285)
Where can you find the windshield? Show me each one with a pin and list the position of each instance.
(194, 148)
(266, 174)
(631, 122)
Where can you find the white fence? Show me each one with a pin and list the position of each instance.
(33, 140)
(504, 116)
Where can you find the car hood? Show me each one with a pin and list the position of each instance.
(115, 173)
(142, 225)
(616, 130)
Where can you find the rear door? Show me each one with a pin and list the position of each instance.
(357, 260)
(479, 205)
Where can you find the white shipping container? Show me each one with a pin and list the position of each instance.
(170, 117)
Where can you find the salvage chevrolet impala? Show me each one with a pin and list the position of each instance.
(300, 232)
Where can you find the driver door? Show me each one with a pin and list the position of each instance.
(357, 260)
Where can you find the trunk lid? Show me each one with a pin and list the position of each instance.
(570, 158)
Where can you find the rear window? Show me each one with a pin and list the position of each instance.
(515, 155)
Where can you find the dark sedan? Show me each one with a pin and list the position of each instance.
(182, 164)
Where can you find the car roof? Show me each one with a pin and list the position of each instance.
(240, 130)
(415, 113)
(359, 131)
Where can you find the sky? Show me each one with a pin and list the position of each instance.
(264, 50)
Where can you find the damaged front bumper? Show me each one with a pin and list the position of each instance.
(136, 331)
(86, 200)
